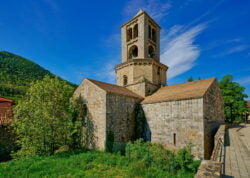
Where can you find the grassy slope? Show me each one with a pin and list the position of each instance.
(81, 164)
(16, 74)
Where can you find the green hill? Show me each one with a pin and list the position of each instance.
(16, 74)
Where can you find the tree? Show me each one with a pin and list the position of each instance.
(233, 95)
(43, 119)
(190, 79)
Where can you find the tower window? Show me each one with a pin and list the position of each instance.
(174, 139)
(129, 34)
(133, 52)
(149, 32)
(158, 71)
(151, 53)
(125, 80)
(154, 35)
(136, 31)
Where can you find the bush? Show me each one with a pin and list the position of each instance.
(156, 156)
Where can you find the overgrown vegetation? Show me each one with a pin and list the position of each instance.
(43, 119)
(234, 99)
(142, 159)
(17, 73)
(7, 142)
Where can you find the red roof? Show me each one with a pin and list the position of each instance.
(2, 99)
(248, 104)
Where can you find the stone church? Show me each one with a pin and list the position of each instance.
(174, 115)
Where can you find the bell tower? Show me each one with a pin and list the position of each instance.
(141, 70)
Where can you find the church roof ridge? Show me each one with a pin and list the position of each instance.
(111, 88)
(187, 90)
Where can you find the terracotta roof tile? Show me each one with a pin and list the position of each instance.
(115, 89)
(2, 99)
(187, 90)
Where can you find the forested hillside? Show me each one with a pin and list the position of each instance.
(16, 74)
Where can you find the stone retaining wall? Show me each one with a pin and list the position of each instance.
(215, 166)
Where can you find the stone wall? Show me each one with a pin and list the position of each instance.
(213, 116)
(142, 70)
(176, 121)
(96, 105)
(143, 88)
(120, 118)
(214, 166)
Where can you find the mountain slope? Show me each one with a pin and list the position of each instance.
(16, 74)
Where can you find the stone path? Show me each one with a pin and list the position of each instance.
(237, 152)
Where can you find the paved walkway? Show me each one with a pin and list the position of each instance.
(237, 152)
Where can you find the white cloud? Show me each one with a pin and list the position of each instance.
(179, 51)
(156, 9)
(107, 73)
(236, 49)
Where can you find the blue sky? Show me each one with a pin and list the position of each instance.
(78, 39)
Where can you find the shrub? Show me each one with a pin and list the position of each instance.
(156, 156)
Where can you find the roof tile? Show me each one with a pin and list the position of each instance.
(187, 90)
(2, 99)
(115, 89)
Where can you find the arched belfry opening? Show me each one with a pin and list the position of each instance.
(151, 52)
(133, 52)
(159, 71)
(125, 80)
(136, 31)
(154, 35)
(129, 34)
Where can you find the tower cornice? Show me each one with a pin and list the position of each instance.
(139, 61)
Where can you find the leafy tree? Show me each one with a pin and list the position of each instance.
(190, 79)
(84, 127)
(233, 95)
(43, 119)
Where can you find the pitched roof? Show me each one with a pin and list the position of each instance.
(110, 88)
(2, 99)
(187, 90)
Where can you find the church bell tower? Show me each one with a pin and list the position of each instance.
(141, 70)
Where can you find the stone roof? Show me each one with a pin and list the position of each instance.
(188, 90)
(2, 99)
(110, 88)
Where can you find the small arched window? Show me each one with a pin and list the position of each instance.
(133, 52)
(136, 31)
(129, 34)
(151, 52)
(125, 80)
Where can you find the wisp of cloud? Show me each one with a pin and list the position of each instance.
(179, 51)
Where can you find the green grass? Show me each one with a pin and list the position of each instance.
(82, 163)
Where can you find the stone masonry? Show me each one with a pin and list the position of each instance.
(175, 115)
